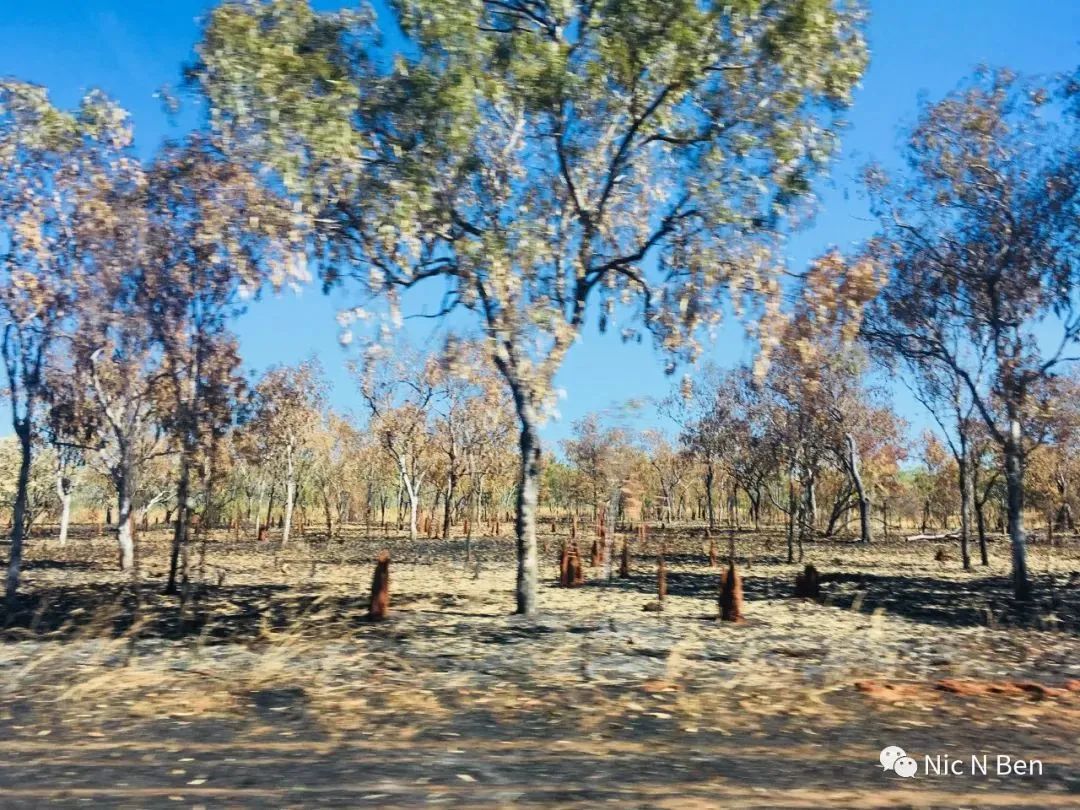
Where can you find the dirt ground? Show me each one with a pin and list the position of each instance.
(268, 688)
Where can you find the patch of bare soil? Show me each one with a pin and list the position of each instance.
(268, 686)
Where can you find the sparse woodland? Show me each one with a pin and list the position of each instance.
(539, 170)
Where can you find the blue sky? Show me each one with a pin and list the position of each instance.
(130, 48)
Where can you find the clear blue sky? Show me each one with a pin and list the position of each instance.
(130, 48)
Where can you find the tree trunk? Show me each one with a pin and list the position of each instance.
(527, 498)
(270, 505)
(414, 507)
(791, 515)
(18, 513)
(865, 535)
(966, 493)
(290, 496)
(329, 515)
(980, 527)
(710, 474)
(63, 491)
(183, 513)
(1014, 487)
(125, 537)
(451, 491)
(609, 534)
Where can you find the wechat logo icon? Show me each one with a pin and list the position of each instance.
(894, 758)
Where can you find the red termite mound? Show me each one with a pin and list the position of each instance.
(624, 564)
(731, 595)
(380, 589)
(570, 573)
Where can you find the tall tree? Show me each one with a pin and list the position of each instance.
(215, 237)
(544, 160)
(52, 167)
(399, 392)
(982, 234)
(289, 401)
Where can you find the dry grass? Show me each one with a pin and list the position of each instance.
(271, 646)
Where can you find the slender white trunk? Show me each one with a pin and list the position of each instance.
(290, 496)
(65, 518)
(125, 536)
(1014, 485)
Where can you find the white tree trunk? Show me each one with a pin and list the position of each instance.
(125, 536)
(290, 496)
(65, 518)
(1014, 486)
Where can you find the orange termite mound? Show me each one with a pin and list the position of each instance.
(624, 563)
(380, 589)
(570, 573)
(731, 595)
(808, 583)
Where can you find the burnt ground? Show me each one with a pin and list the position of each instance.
(266, 686)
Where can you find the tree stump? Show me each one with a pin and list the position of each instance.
(731, 595)
(380, 589)
(624, 564)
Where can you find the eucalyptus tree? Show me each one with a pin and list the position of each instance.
(543, 160)
(472, 416)
(287, 412)
(980, 236)
(399, 392)
(53, 164)
(215, 237)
